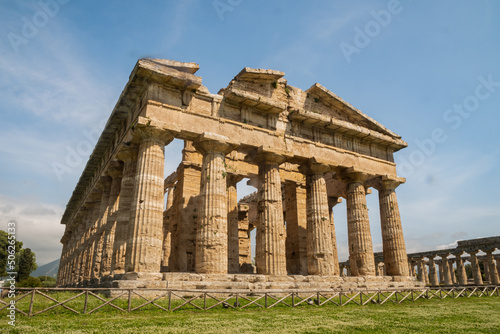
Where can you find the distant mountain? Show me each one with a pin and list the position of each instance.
(49, 269)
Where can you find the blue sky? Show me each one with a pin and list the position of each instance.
(410, 65)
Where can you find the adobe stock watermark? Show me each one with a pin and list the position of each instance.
(75, 155)
(32, 25)
(372, 29)
(223, 6)
(11, 272)
(454, 117)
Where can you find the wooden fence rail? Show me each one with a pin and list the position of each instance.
(34, 301)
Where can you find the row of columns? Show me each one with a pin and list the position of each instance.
(119, 229)
(446, 269)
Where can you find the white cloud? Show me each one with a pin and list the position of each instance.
(37, 225)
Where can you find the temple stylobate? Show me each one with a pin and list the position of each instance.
(128, 225)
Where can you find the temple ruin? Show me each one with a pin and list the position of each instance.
(127, 225)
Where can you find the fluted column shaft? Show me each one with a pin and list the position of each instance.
(452, 271)
(421, 271)
(446, 271)
(476, 270)
(490, 261)
(361, 257)
(167, 233)
(99, 240)
(332, 201)
(320, 259)
(462, 274)
(211, 234)
(145, 237)
(270, 242)
(394, 249)
(115, 171)
(233, 243)
(486, 269)
(124, 217)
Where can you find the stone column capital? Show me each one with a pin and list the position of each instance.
(144, 132)
(458, 254)
(103, 183)
(115, 169)
(268, 155)
(213, 143)
(314, 166)
(351, 175)
(385, 182)
(332, 201)
(128, 152)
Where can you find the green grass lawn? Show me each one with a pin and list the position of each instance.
(473, 315)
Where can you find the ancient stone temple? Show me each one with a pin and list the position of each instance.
(127, 225)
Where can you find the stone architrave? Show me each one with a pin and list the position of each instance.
(270, 241)
(128, 156)
(211, 234)
(320, 260)
(361, 259)
(145, 235)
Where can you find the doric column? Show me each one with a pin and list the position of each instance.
(296, 228)
(167, 230)
(233, 244)
(421, 270)
(332, 201)
(145, 236)
(446, 270)
(497, 258)
(462, 274)
(361, 257)
(270, 242)
(101, 220)
(486, 269)
(490, 261)
(115, 171)
(395, 257)
(320, 259)
(476, 270)
(211, 234)
(128, 156)
(452, 271)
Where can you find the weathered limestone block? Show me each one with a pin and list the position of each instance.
(320, 259)
(395, 257)
(211, 234)
(361, 257)
(123, 219)
(145, 237)
(270, 241)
